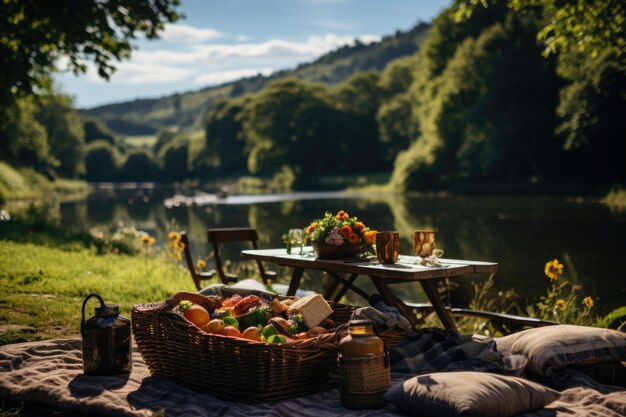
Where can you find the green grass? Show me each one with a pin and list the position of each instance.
(28, 184)
(43, 284)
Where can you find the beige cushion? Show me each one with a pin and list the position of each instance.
(554, 347)
(469, 393)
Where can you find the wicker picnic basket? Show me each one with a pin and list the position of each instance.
(231, 368)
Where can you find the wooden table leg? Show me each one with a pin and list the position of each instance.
(431, 292)
(295, 281)
(391, 299)
(345, 288)
(336, 286)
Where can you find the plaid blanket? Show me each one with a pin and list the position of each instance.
(436, 350)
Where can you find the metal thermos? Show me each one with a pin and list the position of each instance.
(106, 340)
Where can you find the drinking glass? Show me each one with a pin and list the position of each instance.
(387, 247)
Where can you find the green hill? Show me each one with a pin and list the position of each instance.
(187, 110)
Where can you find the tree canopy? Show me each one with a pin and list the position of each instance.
(36, 34)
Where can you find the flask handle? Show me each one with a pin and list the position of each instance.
(82, 322)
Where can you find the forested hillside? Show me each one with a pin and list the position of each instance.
(187, 110)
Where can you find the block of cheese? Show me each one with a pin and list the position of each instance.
(313, 309)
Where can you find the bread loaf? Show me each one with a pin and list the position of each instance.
(313, 309)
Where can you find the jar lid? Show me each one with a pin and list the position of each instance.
(108, 310)
(360, 322)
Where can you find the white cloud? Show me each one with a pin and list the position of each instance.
(207, 63)
(220, 77)
(137, 73)
(188, 34)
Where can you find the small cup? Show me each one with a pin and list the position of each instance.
(387, 247)
(424, 243)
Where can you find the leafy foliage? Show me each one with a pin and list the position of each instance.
(36, 34)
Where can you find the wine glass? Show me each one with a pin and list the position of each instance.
(296, 237)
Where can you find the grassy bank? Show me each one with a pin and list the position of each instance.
(44, 283)
(28, 184)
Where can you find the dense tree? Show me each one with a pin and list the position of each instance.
(291, 122)
(224, 142)
(137, 167)
(96, 130)
(585, 26)
(101, 161)
(23, 140)
(65, 133)
(174, 159)
(36, 34)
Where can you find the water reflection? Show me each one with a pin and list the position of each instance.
(521, 234)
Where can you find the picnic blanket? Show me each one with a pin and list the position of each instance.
(50, 372)
(438, 350)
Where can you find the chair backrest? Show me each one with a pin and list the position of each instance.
(197, 277)
(231, 235)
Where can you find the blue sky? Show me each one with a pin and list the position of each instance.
(221, 41)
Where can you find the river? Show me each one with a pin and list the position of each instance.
(520, 233)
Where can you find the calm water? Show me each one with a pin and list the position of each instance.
(521, 234)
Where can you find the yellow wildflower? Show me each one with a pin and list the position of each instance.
(147, 240)
(560, 304)
(201, 264)
(175, 236)
(588, 302)
(553, 269)
(178, 256)
(181, 246)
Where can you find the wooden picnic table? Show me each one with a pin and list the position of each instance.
(405, 270)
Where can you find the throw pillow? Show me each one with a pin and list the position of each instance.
(468, 393)
(554, 347)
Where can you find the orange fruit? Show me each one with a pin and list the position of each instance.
(231, 331)
(252, 333)
(197, 315)
(215, 326)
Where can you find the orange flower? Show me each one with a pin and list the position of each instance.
(353, 238)
(342, 215)
(359, 225)
(311, 228)
(370, 236)
(345, 230)
(201, 264)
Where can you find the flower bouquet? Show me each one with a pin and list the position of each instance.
(340, 236)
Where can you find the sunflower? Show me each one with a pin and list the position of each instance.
(560, 304)
(201, 264)
(147, 240)
(588, 302)
(553, 269)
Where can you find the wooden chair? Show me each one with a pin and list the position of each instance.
(197, 276)
(217, 237)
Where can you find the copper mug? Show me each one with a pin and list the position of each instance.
(424, 243)
(387, 247)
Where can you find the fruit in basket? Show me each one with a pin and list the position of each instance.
(215, 326)
(246, 304)
(196, 314)
(231, 321)
(268, 331)
(231, 331)
(252, 333)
